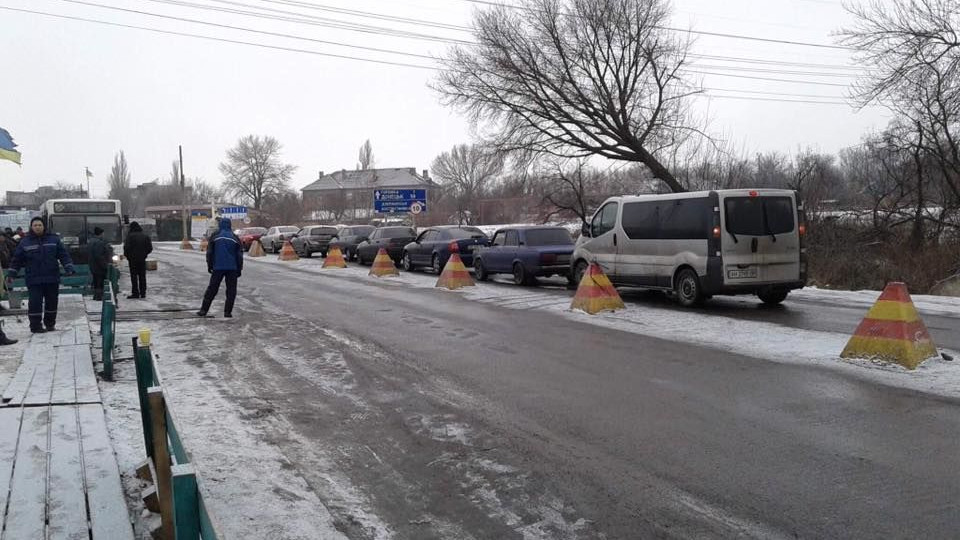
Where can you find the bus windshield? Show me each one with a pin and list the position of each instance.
(75, 230)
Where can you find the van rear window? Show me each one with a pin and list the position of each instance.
(759, 216)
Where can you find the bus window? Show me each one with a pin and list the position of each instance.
(70, 228)
(110, 225)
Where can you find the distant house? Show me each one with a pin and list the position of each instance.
(348, 195)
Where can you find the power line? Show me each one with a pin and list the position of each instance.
(224, 40)
(697, 32)
(359, 13)
(751, 98)
(761, 92)
(794, 81)
(251, 30)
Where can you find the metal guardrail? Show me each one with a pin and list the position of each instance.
(179, 489)
(108, 322)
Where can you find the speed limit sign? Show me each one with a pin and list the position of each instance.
(416, 208)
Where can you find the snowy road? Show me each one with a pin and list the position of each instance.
(416, 413)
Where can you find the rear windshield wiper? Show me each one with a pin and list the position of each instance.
(766, 222)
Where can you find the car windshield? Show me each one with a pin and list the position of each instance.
(759, 216)
(396, 232)
(465, 232)
(549, 237)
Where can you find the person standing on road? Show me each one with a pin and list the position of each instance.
(41, 253)
(136, 248)
(224, 261)
(101, 254)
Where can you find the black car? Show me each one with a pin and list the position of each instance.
(391, 239)
(350, 237)
(313, 239)
(432, 247)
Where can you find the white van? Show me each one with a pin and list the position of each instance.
(696, 245)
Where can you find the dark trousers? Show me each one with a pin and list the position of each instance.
(42, 306)
(138, 278)
(215, 279)
(98, 279)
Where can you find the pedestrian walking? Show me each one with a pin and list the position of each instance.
(136, 248)
(41, 254)
(100, 254)
(224, 262)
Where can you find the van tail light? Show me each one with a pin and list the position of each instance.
(548, 258)
(803, 229)
(754, 194)
(716, 232)
(454, 247)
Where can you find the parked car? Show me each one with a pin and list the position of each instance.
(275, 237)
(350, 237)
(390, 238)
(432, 247)
(695, 245)
(527, 253)
(248, 235)
(313, 239)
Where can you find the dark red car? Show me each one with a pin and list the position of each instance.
(248, 235)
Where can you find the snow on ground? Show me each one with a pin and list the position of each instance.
(768, 341)
(250, 489)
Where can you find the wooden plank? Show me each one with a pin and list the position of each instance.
(28, 490)
(33, 356)
(87, 389)
(186, 502)
(161, 460)
(9, 433)
(64, 381)
(109, 517)
(44, 361)
(66, 504)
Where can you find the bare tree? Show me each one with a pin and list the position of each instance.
(174, 178)
(466, 171)
(204, 192)
(365, 156)
(574, 78)
(575, 190)
(284, 208)
(253, 170)
(119, 182)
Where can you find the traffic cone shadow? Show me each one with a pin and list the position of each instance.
(596, 293)
(383, 265)
(892, 331)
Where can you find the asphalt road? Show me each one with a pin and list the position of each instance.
(499, 423)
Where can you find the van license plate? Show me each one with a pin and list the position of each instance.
(742, 274)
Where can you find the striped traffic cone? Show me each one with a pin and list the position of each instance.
(256, 249)
(288, 253)
(455, 274)
(203, 244)
(334, 259)
(596, 293)
(383, 265)
(892, 331)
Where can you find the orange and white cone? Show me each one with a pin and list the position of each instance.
(256, 249)
(455, 274)
(383, 265)
(203, 244)
(288, 253)
(595, 293)
(334, 259)
(892, 331)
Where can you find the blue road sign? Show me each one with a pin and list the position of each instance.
(388, 201)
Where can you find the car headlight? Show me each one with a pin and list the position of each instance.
(116, 258)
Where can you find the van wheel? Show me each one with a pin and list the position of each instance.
(773, 297)
(578, 271)
(480, 270)
(687, 288)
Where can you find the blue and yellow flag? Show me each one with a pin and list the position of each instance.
(8, 149)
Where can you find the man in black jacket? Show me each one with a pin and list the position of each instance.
(100, 255)
(136, 248)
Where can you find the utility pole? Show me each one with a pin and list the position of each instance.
(185, 244)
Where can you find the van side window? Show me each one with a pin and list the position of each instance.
(605, 220)
(640, 220)
(685, 219)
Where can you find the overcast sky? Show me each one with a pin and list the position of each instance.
(73, 93)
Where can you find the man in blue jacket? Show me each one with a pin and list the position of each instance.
(224, 261)
(41, 253)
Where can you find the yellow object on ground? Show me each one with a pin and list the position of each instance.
(595, 293)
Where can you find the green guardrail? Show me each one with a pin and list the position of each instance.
(178, 486)
(78, 283)
(108, 323)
